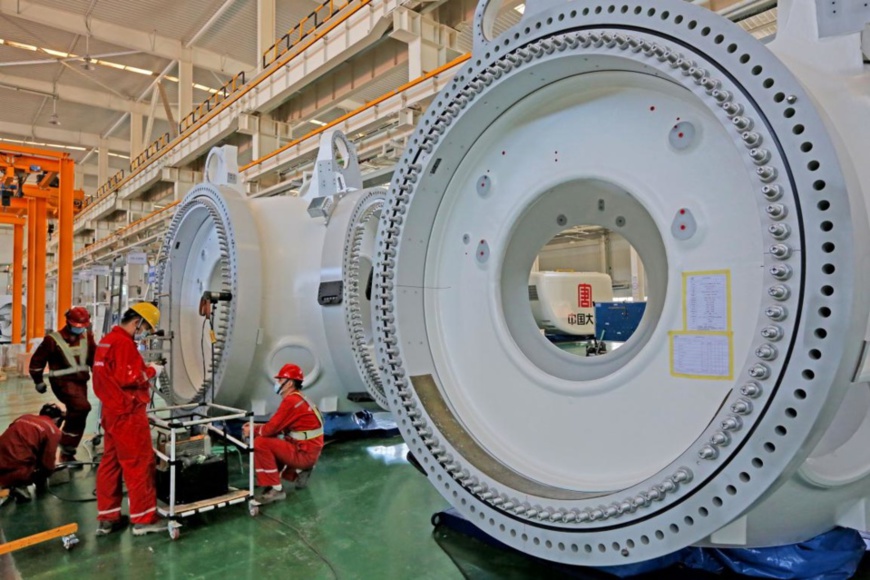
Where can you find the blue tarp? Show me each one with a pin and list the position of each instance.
(834, 555)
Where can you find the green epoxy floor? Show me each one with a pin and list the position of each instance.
(366, 510)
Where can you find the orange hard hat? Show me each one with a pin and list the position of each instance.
(290, 371)
(78, 317)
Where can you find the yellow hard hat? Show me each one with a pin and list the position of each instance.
(148, 312)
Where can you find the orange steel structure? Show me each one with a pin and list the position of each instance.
(36, 201)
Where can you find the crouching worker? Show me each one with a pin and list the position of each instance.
(293, 456)
(27, 450)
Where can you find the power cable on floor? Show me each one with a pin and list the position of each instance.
(69, 465)
(305, 540)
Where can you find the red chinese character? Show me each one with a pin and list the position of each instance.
(584, 295)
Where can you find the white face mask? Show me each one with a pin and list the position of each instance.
(140, 336)
(278, 386)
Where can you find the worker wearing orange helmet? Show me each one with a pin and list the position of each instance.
(293, 457)
(69, 354)
(122, 381)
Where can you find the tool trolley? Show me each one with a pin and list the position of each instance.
(183, 476)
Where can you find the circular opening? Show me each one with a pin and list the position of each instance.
(575, 290)
(555, 278)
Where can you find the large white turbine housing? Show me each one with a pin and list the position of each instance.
(297, 268)
(708, 151)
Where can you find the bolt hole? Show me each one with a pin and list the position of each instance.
(769, 447)
(692, 25)
(800, 394)
(824, 205)
(717, 501)
(819, 185)
(703, 512)
(756, 70)
(813, 165)
(828, 247)
(815, 354)
(788, 113)
(780, 430)
(767, 83)
(644, 540)
(778, 97)
(824, 312)
(689, 521)
(705, 31)
(757, 463)
(731, 490)
(660, 535)
(821, 333)
(827, 290)
(675, 529)
(744, 58)
(808, 374)
(744, 477)
(798, 129)
(826, 226)
(790, 413)
(806, 146)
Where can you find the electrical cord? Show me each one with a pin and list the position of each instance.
(305, 541)
(72, 499)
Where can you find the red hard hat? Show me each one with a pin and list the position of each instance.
(78, 316)
(290, 371)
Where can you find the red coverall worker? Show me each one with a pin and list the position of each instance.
(300, 424)
(28, 447)
(122, 383)
(68, 353)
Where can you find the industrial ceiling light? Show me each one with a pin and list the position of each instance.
(88, 62)
(54, 119)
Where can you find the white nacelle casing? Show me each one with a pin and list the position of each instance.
(564, 302)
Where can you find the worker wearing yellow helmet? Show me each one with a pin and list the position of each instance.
(122, 381)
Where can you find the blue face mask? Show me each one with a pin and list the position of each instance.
(76, 330)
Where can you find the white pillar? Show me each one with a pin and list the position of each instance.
(185, 89)
(135, 135)
(638, 278)
(265, 29)
(103, 163)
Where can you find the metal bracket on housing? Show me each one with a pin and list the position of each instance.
(330, 293)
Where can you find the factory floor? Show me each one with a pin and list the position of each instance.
(366, 514)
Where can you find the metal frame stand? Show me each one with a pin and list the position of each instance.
(202, 416)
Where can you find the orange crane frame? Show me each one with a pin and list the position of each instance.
(36, 201)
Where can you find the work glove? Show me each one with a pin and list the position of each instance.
(41, 388)
(158, 369)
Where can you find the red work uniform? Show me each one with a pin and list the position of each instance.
(68, 375)
(27, 446)
(121, 381)
(300, 423)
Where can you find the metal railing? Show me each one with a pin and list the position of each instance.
(304, 27)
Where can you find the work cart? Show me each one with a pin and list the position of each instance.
(191, 478)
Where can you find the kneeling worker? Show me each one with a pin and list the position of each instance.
(294, 456)
(28, 448)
